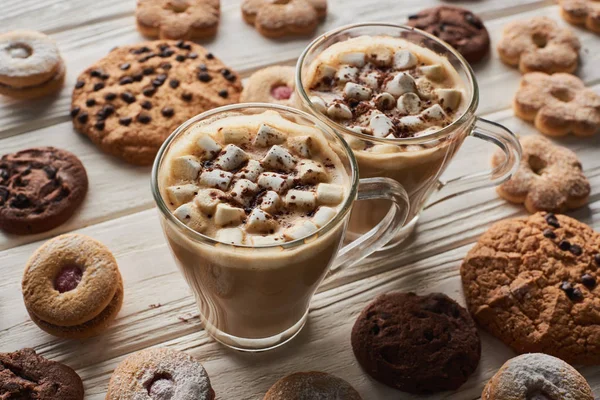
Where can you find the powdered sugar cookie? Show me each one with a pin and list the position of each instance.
(582, 12)
(30, 64)
(178, 19)
(311, 385)
(284, 17)
(270, 85)
(537, 376)
(539, 44)
(549, 178)
(558, 104)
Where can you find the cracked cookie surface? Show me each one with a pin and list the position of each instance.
(531, 282)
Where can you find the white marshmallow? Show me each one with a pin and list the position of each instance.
(381, 125)
(409, 103)
(382, 56)
(346, 74)
(371, 79)
(412, 122)
(238, 135)
(216, 178)
(301, 199)
(323, 216)
(226, 215)
(385, 148)
(261, 222)
(268, 136)
(319, 104)
(434, 112)
(273, 181)
(300, 231)
(405, 59)
(325, 71)
(208, 147)
(268, 240)
(424, 88)
(270, 202)
(251, 171)
(208, 199)
(384, 101)
(231, 158)
(356, 143)
(279, 158)
(310, 171)
(191, 216)
(339, 111)
(230, 236)
(301, 145)
(435, 72)
(185, 168)
(355, 59)
(330, 194)
(400, 84)
(449, 98)
(243, 191)
(180, 194)
(356, 91)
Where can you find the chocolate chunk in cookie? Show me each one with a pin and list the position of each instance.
(40, 188)
(417, 344)
(549, 178)
(527, 287)
(311, 385)
(284, 17)
(129, 123)
(26, 375)
(460, 28)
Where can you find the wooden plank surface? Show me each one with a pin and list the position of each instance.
(119, 209)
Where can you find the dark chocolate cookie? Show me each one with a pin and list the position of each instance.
(417, 344)
(460, 28)
(26, 375)
(40, 188)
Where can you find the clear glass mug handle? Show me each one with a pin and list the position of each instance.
(380, 235)
(501, 137)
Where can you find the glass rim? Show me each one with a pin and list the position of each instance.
(467, 114)
(199, 237)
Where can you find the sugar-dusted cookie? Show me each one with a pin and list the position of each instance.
(40, 188)
(284, 17)
(72, 287)
(417, 344)
(460, 28)
(311, 385)
(270, 85)
(539, 44)
(582, 12)
(27, 375)
(130, 101)
(532, 283)
(549, 178)
(30, 64)
(558, 104)
(537, 376)
(178, 19)
(160, 374)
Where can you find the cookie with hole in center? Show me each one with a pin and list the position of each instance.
(72, 287)
(40, 188)
(539, 44)
(130, 101)
(270, 85)
(532, 283)
(277, 18)
(558, 104)
(160, 374)
(582, 12)
(549, 178)
(417, 344)
(311, 385)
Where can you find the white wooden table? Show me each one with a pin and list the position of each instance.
(119, 210)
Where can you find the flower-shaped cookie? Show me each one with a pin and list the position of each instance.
(178, 19)
(558, 104)
(549, 178)
(276, 18)
(539, 44)
(582, 12)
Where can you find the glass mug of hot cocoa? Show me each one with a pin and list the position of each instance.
(405, 101)
(254, 201)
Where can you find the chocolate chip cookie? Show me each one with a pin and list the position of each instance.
(532, 283)
(460, 28)
(131, 100)
(311, 385)
(26, 375)
(417, 344)
(40, 188)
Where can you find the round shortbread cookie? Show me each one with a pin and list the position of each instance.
(51, 86)
(270, 85)
(310, 386)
